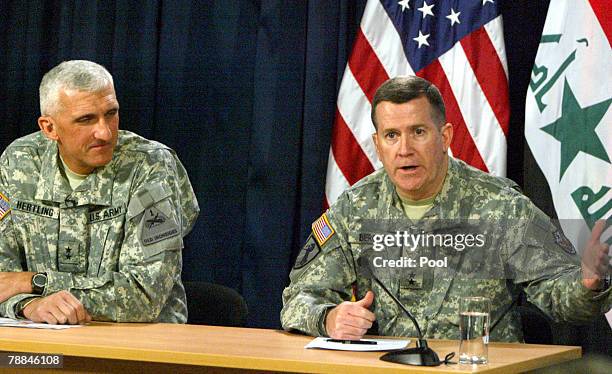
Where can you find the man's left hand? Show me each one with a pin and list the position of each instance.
(595, 258)
(14, 283)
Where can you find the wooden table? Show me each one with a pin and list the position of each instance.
(108, 347)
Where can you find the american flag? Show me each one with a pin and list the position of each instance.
(322, 230)
(5, 207)
(457, 45)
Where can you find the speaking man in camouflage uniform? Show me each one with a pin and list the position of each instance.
(426, 189)
(92, 218)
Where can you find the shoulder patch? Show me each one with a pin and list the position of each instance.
(156, 226)
(5, 207)
(563, 242)
(322, 230)
(307, 254)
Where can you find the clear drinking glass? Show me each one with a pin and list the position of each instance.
(474, 314)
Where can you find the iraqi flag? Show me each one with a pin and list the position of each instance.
(568, 116)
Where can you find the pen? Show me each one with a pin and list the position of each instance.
(351, 341)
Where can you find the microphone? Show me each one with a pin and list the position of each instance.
(368, 273)
(422, 355)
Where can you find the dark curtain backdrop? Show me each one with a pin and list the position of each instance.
(245, 92)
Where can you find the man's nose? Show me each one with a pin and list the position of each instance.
(406, 147)
(102, 130)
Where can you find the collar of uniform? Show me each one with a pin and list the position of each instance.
(448, 195)
(449, 198)
(51, 186)
(394, 203)
(390, 205)
(95, 189)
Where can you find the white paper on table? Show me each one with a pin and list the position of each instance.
(609, 318)
(9, 322)
(381, 345)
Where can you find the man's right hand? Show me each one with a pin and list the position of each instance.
(59, 308)
(350, 320)
(595, 258)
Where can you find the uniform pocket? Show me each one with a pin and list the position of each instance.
(106, 228)
(30, 231)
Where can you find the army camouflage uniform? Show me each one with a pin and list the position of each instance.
(114, 242)
(529, 254)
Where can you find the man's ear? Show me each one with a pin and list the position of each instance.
(375, 140)
(447, 135)
(47, 126)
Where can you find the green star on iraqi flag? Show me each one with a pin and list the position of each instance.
(575, 129)
(568, 115)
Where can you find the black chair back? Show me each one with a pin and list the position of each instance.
(214, 304)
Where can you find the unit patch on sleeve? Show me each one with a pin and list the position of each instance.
(156, 226)
(5, 207)
(564, 242)
(322, 230)
(307, 254)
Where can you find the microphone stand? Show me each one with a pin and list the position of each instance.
(421, 355)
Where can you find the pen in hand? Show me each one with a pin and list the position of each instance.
(350, 341)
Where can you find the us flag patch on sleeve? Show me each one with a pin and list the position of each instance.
(322, 230)
(5, 207)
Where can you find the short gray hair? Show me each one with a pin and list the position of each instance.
(81, 75)
(401, 90)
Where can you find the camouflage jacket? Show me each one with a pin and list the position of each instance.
(114, 242)
(524, 252)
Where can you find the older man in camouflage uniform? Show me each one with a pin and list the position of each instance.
(92, 218)
(428, 191)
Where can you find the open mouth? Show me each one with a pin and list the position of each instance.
(409, 168)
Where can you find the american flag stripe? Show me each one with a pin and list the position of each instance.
(382, 35)
(334, 190)
(489, 72)
(495, 30)
(463, 145)
(466, 62)
(355, 110)
(366, 68)
(601, 8)
(349, 155)
(475, 108)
